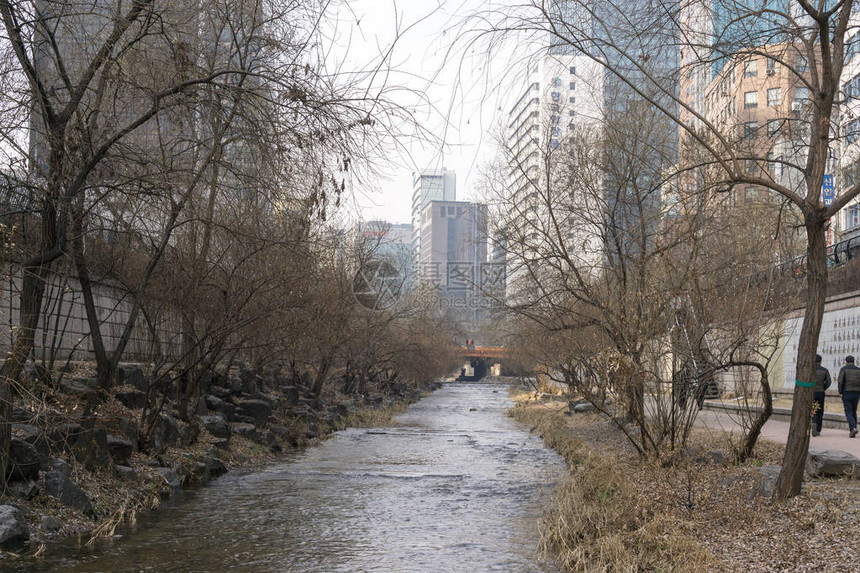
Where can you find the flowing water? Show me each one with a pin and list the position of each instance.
(453, 486)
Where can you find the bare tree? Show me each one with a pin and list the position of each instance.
(145, 117)
(624, 40)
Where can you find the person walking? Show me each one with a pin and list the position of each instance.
(849, 388)
(822, 383)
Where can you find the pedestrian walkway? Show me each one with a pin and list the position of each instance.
(777, 431)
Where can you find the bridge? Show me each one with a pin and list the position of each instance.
(480, 360)
(472, 351)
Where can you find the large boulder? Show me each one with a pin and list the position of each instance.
(66, 436)
(226, 409)
(170, 477)
(132, 374)
(259, 410)
(165, 432)
(92, 450)
(291, 395)
(832, 463)
(14, 533)
(36, 438)
(62, 488)
(25, 461)
(120, 450)
(216, 425)
(132, 399)
(248, 431)
(765, 485)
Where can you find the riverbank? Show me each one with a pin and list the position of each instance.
(616, 512)
(79, 474)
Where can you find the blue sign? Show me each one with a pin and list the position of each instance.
(828, 191)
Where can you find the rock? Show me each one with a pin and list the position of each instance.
(832, 463)
(50, 523)
(62, 488)
(132, 374)
(583, 407)
(766, 486)
(25, 490)
(36, 438)
(200, 407)
(259, 410)
(120, 450)
(62, 466)
(21, 415)
(250, 382)
(291, 395)
(216, 425)
(82, 388)
(126, 473)
(24, 461)
(14, 533)
(132, 399)
(238, 418)
(220, 392)
(170, 477)
(248, 431)
(216, 404)
(272, 443)
(198, 473)
(165, 433)
(65, 436)
(92, 449)
(129, 429)
(221, 444)
(215, 467)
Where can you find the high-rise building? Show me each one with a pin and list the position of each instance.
(454, 257)
(847, 223)
(599, 65)
(429, 185)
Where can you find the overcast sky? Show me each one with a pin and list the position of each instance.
(463, 93)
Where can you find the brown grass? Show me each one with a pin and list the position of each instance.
(616, 512)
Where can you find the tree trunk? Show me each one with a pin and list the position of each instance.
(796, 447)
(766, 411)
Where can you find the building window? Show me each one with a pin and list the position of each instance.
(571, 113)
(751, 166)
(801, 64)
(852, 87)
(773, 126)
(774, 97)
(852, 131)
(852, 47)
(572, 69)
(852, 217)
(751, 68)
(750, 129)
(750, 100)
(573, 85)
(750, 194)
(572, 99)
(771, 66)
(801, 95)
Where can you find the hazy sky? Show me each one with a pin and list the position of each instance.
(464, 94)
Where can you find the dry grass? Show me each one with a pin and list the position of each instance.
(373, 418)
(615, 512)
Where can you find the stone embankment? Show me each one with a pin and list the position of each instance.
(71, 471)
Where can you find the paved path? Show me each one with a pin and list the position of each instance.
(777, 431)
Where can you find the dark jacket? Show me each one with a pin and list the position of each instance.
(849, 379)
(822, 379)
